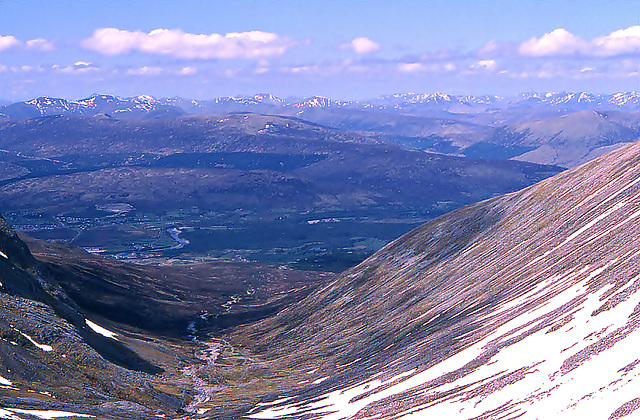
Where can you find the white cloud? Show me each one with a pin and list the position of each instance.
(410, 67)
(301, 69)
(494, 49)
(179, 44)
(40, 44)
(8, 41)
(417, 67)
(361, 45)
(145, 71)
(489, 65)
(327, 69)
(186, 71)
(77, 68)
(624, 41)
(557, 42)
(561, 42)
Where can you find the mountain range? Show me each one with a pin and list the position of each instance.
(488, 127)
(145, 106)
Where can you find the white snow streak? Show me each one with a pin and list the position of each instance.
(43, 347)
(593, 222)
(278, 401)
(101, 330)
(42, 414)
(5, 414)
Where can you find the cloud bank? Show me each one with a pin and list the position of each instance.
(7, 42)
(241, 61)
(561, 42)
(178, 44)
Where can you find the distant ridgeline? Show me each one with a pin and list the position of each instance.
(557, 128)
(145, 106)
(316, 183)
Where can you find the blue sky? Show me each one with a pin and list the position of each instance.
(344, 49)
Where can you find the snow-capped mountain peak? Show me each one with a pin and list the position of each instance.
(264, 102)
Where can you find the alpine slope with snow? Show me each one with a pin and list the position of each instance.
(523, 306)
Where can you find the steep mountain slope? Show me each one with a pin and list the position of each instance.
(521, 306)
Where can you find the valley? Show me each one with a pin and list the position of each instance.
(238, 186)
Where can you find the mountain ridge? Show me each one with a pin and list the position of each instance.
(489, 127)
(146, 106)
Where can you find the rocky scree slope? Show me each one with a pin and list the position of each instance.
(525, 306)
(53, 358)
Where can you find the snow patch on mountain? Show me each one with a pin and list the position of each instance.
(11, 413)
(547, 316)
(101, 330)
(558, 382)
(43, 347)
